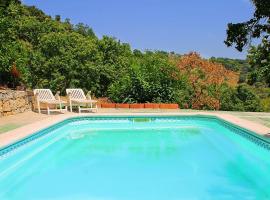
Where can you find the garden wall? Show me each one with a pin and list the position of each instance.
(13, 102)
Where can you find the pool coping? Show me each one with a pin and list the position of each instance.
(10, 138)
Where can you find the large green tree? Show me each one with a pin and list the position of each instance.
(64, 60)
(151, 78)
(5, 3)
(259, 59)
(241, 35)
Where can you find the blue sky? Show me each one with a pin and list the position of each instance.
(170, 25)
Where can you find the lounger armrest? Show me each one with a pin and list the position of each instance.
(88, 95)
(68, 95)
(36, 96)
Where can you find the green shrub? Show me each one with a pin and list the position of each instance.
(266, 104)
(240, 99)
(151, 78)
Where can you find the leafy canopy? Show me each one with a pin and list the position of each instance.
(240, 34)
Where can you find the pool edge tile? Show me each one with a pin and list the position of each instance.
(250, 135)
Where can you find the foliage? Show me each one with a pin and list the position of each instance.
(259, 59)
(55, 54)
(151, 78)
(205, 78)
(84, 30)
(258, 26)
(64, 60)
(266, 104)
(39, 51)
(5, 3)
(241, 98)
(241, 34)
(236, 65)
(231, 64)
(261, 90)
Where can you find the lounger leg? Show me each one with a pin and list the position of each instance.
(48, 109)
(38, 105)
(70, 105)
(91, 107)
(60, 107)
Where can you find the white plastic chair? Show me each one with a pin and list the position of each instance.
(46, 96)
(77, 97)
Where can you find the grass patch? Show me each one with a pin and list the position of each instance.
(266, 121)
(8, 127)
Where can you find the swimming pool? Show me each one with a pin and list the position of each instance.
(131, 158)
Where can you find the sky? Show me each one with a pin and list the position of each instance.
(170, 25)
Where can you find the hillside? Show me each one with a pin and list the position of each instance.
(39, 51)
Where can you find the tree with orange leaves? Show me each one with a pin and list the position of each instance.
(205, 78)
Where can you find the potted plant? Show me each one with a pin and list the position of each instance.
(168, 106)
(137, 105)
(126, 103)
(122, 105)
(107, 105)
(151, 105)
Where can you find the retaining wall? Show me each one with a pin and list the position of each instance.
(13, 102)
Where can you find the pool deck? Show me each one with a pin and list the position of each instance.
(25, 124)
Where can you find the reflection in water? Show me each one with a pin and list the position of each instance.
(152, 143)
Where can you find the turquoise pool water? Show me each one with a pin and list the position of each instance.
(137, 159)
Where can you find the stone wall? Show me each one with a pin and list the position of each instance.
(13, 102)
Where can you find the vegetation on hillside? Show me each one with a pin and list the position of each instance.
(39, 51)
(231, 64)
(206, 79)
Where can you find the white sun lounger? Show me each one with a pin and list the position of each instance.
(46, 96)
(77, 97)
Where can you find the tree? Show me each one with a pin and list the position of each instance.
(205, 78)
(65, 60)
(259, 59)
(58, 18)
(241, 98)
(5, 3)
(240, 34)
(21, 28)
(13, 53)
(231, 64)
(151, 78)
(84, 30)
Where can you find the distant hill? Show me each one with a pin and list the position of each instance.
(236, 65)
(231, 64)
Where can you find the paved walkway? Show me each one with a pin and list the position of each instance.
(13, 128)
